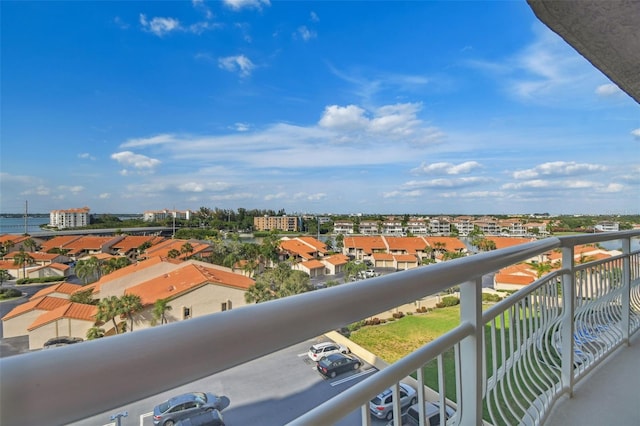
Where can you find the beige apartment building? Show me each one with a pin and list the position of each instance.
(280, 223)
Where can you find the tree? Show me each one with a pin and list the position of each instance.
(6, 247)
(84, 296)
(22, 259)
(186, 249)
(173, 253)
(160, 309)
(88, 270)
(4, 276)
(115, 263)
(352, 269)
(131, 304)
(95, 332)
(31, 244)
(340, 242)
(540, 268)
(276, 283)
(108, 309)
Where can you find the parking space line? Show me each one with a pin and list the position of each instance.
(142, 416)
(355, 376)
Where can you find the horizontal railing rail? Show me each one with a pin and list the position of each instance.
(131, 366)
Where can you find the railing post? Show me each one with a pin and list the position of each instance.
(471, 354)
(567, 325)
(626, 290)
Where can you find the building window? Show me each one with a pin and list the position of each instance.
(224, 306)
(186, 313)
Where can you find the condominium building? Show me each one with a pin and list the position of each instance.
(280, 223)
(156, 215)
(72, 218)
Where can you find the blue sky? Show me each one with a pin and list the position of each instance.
(321, 107)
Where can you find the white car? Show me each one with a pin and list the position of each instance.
(321, 350)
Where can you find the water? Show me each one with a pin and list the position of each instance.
(15, 225)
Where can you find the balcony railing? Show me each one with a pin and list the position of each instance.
(518, 357)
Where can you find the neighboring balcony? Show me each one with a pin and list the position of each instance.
(514, 363)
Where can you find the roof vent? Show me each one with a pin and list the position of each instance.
(171, 288)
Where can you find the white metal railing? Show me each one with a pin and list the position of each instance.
(518, 357)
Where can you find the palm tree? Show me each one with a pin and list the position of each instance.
(108, 310)
(4, 276)
(95, 332)
(31, 244)
(173, 253)
(541, 268)
(130, 305)
(5, 247)
(186, 249)
(84, 296)
(160, 308)
(88, 269)
(22, 258)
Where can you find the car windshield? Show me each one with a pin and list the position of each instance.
(315, 350)
(163, 407)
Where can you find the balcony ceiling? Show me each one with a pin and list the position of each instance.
(606, 32)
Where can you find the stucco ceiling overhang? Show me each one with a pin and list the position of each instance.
(605, 32)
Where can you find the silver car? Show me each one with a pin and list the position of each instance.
(185, 406)
(381, 405)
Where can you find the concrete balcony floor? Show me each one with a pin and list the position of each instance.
(608, 395)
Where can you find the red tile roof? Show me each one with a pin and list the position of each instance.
(77, 311)
(185, 279)
(132, 242)
(122, 272)
(336, 259)
(450, 243)
(46, 303)
(407, 244)
(58, 242)
(64, 288)
(368, 244)
(163, 248)
(503, 242)
(313, 264)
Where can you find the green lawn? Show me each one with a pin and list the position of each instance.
(396, 339)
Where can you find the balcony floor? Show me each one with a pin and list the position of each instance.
(607, 396)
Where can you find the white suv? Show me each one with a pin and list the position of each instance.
(320, 350)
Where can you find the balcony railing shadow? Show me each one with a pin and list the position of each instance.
(511, 363)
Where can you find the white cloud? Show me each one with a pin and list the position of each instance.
(558, 168)
(159, 26)
(306, 34)
(239, 63)
(141, 163)
(86, 156)
(402, 194)
(314, 17)
(396, 122)
(104, 196)
(447, 168)
(446, 183)
(242, 127)
(76, 189)
(202, 186)
(612, 187)
(246, 4)
(278, 196)
(608, 89)
(346, 118)
(636, 133)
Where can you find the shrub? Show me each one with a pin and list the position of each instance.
(409, 313)
(6, 293)
(491, 297)
(398, 315)
(450, 301)
(391, 319)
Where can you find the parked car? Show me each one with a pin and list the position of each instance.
(61, 341)
(185, 406)
(381, 405)
(320, 350)
(431, 413)
(208, 418)
(334, 364)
